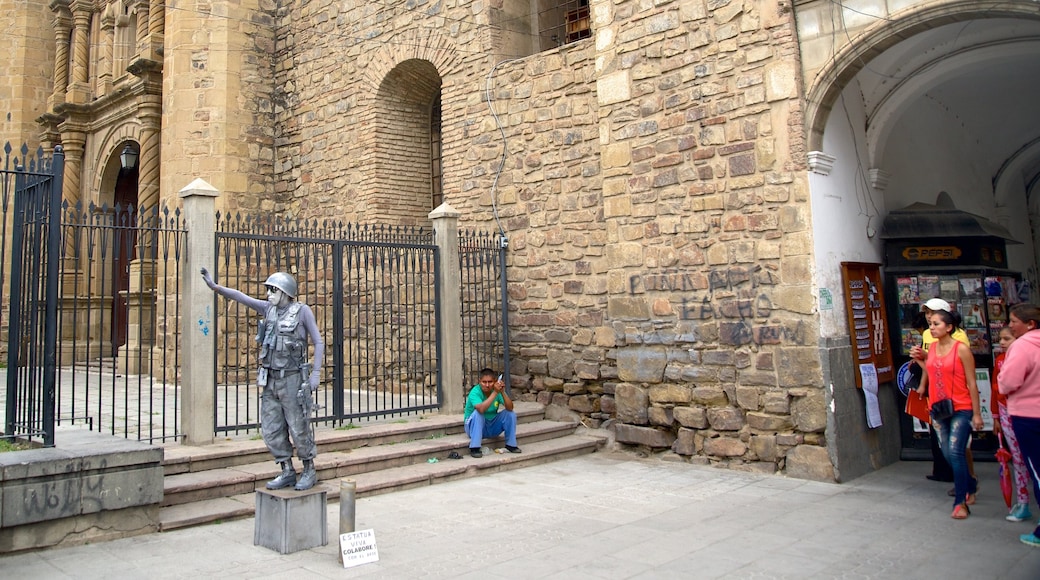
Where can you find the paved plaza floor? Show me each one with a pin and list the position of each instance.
(608, 516)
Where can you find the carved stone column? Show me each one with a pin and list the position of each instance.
(156, 29)
(62, 27)
(79, 90)
(141, 42)
(108, 39)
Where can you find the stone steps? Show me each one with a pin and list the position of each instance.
(217, 483)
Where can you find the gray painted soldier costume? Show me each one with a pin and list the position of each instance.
(285, 405)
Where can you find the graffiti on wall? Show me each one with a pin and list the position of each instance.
(735, 297)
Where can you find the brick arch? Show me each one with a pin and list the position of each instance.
(848, 62)
(403, 78)
(106, 163)
(421, 44)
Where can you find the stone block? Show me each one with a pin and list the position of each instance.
(670, 394)
(709, 396)
(810, 462)
(561, 364)
(632, 404)
(747, 398)
(725, 418)
(809, 413)
(574, 388)
(661, 416)
(692, 417)
(639, 364)
(766, 422)
(724, 447)
(648, 436)
(685, 443)
(764, 447)
(582, 404)
(774, 402)
(288, 521)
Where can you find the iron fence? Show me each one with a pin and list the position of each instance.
(484, 336)
(34, 186)
(118, 312)
(93, 307)
(373, 291)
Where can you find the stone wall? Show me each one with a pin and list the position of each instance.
(89, 488)
(25, 69)
(653, 193)
(219, 102)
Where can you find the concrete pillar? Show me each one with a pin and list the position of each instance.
(449, 280)
(198, 345)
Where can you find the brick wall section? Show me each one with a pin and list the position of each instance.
(653, 193)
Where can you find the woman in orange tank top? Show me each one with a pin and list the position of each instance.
(951, 375)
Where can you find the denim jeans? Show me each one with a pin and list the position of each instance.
(478, 428)
(1027, 429)
(954, 434)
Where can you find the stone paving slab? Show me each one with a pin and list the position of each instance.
(610, 516)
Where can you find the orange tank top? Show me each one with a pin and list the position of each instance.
(946, 378)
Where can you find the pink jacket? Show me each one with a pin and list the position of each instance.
(1020, 376)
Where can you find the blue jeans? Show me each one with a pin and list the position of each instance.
(1027, 429)
(954, 434)
(478, 428)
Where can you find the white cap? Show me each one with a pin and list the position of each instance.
(937, 304)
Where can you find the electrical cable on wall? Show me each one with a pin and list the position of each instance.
(505, 146)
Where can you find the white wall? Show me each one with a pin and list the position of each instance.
(929, 150)
(847, 211)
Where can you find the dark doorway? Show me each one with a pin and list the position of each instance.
(124, 241)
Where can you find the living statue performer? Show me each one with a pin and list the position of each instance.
(285, 405)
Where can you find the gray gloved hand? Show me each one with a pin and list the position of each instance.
(208, 279)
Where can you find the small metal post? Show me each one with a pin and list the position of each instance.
(347, 492)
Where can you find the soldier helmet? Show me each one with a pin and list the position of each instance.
(283, 282)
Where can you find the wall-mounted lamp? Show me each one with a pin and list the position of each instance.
(128, 158)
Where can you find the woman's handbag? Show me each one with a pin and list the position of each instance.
(942, 410)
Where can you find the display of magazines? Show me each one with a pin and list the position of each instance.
(981, 302)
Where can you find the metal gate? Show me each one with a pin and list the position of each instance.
(32, 327)
(374, 294)
(91, 344)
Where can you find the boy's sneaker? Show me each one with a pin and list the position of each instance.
(475, 452)
(1019, 513)
(1030, 540)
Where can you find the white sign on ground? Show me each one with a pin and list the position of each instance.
(358, 548)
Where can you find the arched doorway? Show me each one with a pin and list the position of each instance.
(930, 97)
(124, 250)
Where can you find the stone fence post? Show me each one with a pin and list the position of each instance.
(198, 347)
(449, 280)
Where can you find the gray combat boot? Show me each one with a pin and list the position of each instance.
(286, 479)
(309, 476)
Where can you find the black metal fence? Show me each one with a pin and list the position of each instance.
(93, 310)
(34, 187)
(484, 318)
(373, 291)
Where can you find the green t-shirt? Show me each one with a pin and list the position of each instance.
(476, 397)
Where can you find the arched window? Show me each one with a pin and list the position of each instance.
(405, 184)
